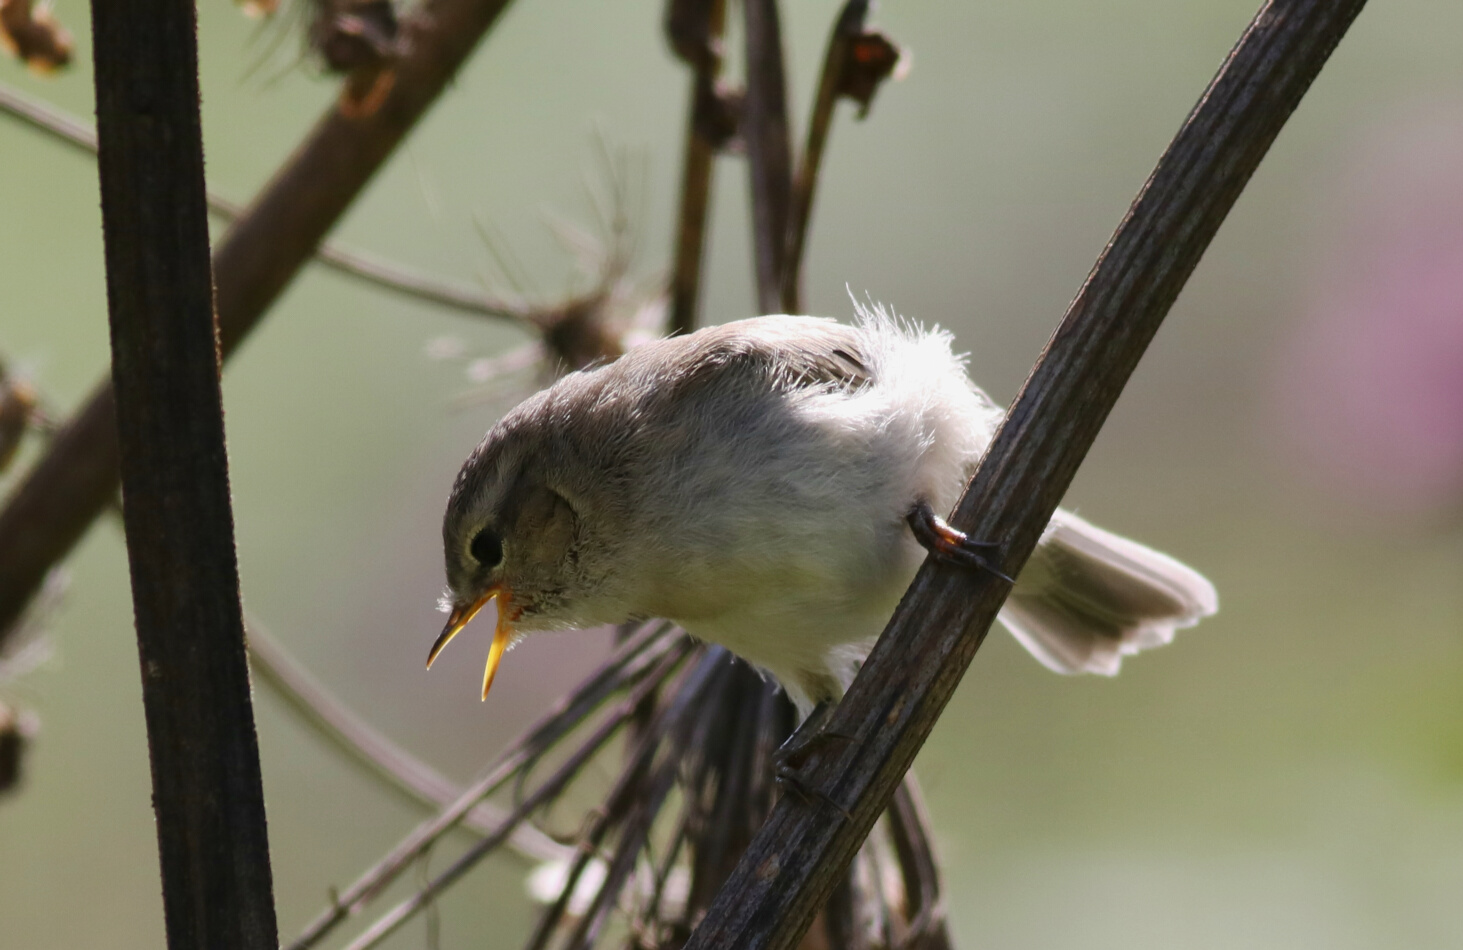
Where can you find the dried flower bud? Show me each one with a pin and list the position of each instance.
(16, 729)
(17, 412)
(32, 35)
(871, 58)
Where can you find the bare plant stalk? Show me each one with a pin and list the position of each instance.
(854, 65)
(805, 847)
(550, 789)
(388, 275)
(921, 874)
(635, 798)
(642, 661)
(769, 152)
(695, 29)
(377, 755)
(257, 259)
(207, 790)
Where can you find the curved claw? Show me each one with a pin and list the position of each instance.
(949, 544)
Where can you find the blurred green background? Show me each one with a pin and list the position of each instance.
(1288, 775)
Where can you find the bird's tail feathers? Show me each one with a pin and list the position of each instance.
(1088, 597)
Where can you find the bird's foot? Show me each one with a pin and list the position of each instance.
(808, 794)
(950, 544)
(809, 739)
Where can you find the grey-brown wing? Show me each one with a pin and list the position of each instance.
(785, 352)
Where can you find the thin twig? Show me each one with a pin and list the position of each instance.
(208, 793)
(377, 755)
(645, 800)
(921, 873)
(856, 62)
(374, 270)
(254, 262)
(769, 154)
(695, 29)
(388, 923)
(667, 721)
(641, 660)
(804, 848)
(654, 909)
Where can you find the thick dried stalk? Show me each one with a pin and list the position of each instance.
(207, 790)
(805, 848)
(769, 150)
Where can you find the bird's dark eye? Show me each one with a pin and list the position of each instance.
(487, 548)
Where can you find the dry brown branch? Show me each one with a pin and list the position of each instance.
(769, 152)
(374, 270)
(694, 28)
(856, 62)
(256, 259)
(805, 848)
(921, 874)
(16, 730)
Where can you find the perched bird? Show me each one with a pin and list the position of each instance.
(771, 485)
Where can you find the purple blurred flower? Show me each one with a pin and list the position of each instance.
(1371, 379)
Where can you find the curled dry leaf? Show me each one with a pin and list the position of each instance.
(32, 34)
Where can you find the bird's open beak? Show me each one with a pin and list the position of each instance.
(460, 617)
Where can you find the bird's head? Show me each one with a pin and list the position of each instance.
(511, 534)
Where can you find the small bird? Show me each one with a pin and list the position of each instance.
(771, 485)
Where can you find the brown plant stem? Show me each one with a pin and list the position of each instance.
(769, 153)
(632, 804)
(840, 64)
(702, 51)
(547, 791)
(641, 662)
(921, 873)
(695, 28)
(805, 848)
(377, 271)
(208, 794)
(254, 262)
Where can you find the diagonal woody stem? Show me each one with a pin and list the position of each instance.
(805, 849)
